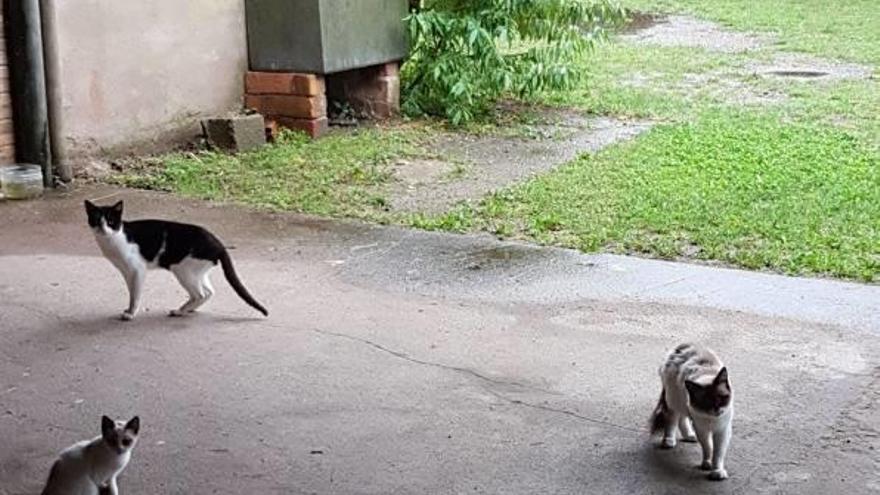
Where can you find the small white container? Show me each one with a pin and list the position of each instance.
(21, 181)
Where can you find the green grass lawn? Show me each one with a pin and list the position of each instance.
(335, 175)
(745, 189)
(846, 29)
(791, 187)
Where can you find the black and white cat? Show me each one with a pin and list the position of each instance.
(90, 467)
(696, 390)
(188, 251)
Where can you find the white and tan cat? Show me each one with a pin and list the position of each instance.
(697, 396)
(90, 467)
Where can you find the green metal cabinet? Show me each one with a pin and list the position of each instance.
(324, 36)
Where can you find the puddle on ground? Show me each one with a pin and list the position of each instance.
(798, 73)
(427, 262)
(800, 66)
(482, 257)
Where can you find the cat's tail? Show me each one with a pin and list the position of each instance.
(660, 418)
(232, 278)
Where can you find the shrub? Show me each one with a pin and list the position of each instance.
(467, 54)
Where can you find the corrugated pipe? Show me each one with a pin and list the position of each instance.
(30, 113)
(52, 64)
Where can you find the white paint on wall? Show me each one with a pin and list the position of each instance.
(137, 71)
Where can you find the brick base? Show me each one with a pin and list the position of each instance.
(373, 91)
(298, 107)
(288, 99)
(283, 83)
(313, 127)
(298, 101)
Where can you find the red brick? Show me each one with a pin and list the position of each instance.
(312, 127)
(283, 83)
(382, 109)
(381, 99)
(298, 107)
(391, 69)
(6, 132)
(7, 153)
(374, 90)
(272, 130)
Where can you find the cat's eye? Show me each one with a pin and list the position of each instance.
(126, 442)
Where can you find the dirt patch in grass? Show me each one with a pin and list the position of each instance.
(739, 83)
(467, 167)
(678, 30)
(639, 21)
(802, 67)
(728, 87)
(414, 173)
(733, 89)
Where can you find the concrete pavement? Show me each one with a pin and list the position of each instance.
(397, 361)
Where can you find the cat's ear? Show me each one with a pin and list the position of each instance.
(721, 383)
(133, 425)
(692, 388)
(90, 207)
(117, 208)
(107, 426)
(721, 378)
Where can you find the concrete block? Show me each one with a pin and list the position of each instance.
(235, 133)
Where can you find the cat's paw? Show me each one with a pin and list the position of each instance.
(174, 313)
(690, 439)
(126, 316)
(718, 475)
(667, 443)
(705, 466)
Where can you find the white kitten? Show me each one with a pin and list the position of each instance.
(696, 390)
(90, 467)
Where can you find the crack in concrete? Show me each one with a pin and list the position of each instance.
(566, 412)
(470, 372)
(411, 359)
